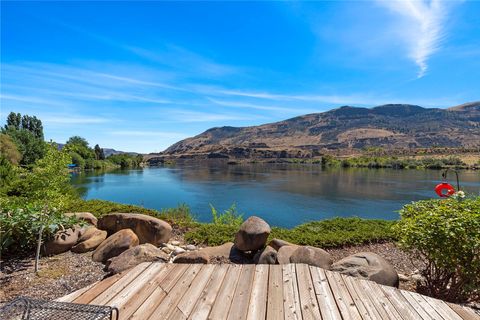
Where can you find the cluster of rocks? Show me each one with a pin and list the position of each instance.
(123, 240)
(251, 245)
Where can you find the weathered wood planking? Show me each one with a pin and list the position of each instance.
(291, 291)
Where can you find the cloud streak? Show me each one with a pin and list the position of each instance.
(421, 25)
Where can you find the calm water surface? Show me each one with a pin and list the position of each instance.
(284, 195)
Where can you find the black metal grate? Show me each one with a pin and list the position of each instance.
(24, 308)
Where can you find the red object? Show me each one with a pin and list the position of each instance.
(444, 190)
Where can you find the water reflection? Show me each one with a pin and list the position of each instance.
(285, 195)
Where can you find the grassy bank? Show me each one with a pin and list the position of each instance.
(326, 233)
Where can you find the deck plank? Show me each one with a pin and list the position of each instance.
(340, 292)
(139, 297)
(159, 293)
(168, 304)
(306, 290)
(442, 308)
(110, 292)
(209, 293)
(75, 294)
(464, 313)
(382, 299)
(275, 293)
(401, 304)
(258, 308)
(137, 284)
(97, 289)
(291, 297)
(324, 295)
(225, 295)
(356, 298)
(242, 294)
(367, 303)
(188, 301)
(423, 304)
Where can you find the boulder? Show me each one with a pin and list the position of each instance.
(284, 253)
(90, 240)
(136, 255)
(192, 257)
(62, 241)
(277, 244)
(148, 229)
(312, 256)
(115, 245)
(85, 216)
(252, 235)
(225, 251)
(368, 265)
(266, 256)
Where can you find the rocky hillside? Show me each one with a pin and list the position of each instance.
(390, 126)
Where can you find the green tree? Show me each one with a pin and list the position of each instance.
(13, 121)
(99, 155)
(9, 150)
(48, 181)
(31, 147)
(32, 124)
(79, 141)
(79, 145)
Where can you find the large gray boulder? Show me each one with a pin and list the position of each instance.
(134, 256)
(368, 265)
(90, 240)
(115, 245)
(278, 243)
(252, 235)
(312, 256)
(284, 253)
(62, 241)
(266, 256)
(148, 229)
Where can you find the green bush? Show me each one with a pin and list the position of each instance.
(48, 182)
(21, 224)
(229, 217)
(446, 234)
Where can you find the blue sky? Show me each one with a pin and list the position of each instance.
(139, 76)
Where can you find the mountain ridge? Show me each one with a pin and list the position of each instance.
(346, 127)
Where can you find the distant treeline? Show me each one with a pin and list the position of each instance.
(22, 143)
(394, 162)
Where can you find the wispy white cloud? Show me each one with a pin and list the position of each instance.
(421, 24)
(195, 116)
(242, 104)
(69, 119)
(141, 133)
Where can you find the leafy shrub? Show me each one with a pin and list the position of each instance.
(47, 182)
(229, 217)
(337, 232)
(20, 225)
(446, 233)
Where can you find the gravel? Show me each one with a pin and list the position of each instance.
(59, 275)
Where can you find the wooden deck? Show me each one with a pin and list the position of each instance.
(292, 291)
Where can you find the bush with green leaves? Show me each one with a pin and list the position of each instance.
(48, 182)
(21, 224)
(446, 235)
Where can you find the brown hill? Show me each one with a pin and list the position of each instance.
(392, 126)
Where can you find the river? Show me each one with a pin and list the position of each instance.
(283, 195)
